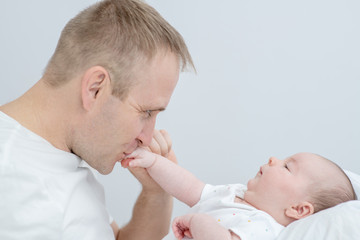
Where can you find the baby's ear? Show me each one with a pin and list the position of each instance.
(300, 210)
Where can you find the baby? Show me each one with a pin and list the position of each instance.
(281, 192)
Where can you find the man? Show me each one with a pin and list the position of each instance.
(114, 69)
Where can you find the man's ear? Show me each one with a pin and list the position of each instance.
(300, 210)
(94, 83)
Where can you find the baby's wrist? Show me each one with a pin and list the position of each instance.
(154, 159)
(150, 158)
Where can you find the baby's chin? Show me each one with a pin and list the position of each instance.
(250, 184)
(250, 195)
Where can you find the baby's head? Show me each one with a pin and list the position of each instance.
(298, 186)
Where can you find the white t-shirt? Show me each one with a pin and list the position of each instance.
(44, 192)
(246, 221)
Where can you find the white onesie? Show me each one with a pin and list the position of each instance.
(244, 220)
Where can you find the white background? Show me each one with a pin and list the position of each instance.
(273, 78)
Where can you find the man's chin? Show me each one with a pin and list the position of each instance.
(105, 170)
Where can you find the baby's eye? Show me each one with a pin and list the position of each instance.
(286, 166)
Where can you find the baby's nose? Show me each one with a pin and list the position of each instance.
(272, 160)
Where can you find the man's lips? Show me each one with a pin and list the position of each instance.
(127, 154)
(123, 156)
(125, 160)
(128, 150)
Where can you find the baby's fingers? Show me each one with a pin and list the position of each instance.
(135, 153)
(125, 162)
(178, 229)
(145, 163)
(178, 233)
(187, 234)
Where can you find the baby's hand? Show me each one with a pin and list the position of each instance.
(181, 226)
(140, 158)
(160, 144)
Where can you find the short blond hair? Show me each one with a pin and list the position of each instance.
(117, 35)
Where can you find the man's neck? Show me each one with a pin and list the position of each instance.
(43, 111)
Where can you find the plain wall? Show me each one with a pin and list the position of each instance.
(273, 78)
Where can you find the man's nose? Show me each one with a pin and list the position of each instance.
(145, 137)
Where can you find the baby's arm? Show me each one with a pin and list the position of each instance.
(174, 179)
(201, 226)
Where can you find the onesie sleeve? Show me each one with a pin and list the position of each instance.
(207, 192)
(212, 191)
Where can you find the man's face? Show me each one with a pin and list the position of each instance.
(282, 183)
(118, 127)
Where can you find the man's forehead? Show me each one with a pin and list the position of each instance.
(144, 105)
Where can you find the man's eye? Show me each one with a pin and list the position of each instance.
(148, 113)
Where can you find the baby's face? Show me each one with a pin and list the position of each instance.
(281, 183)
